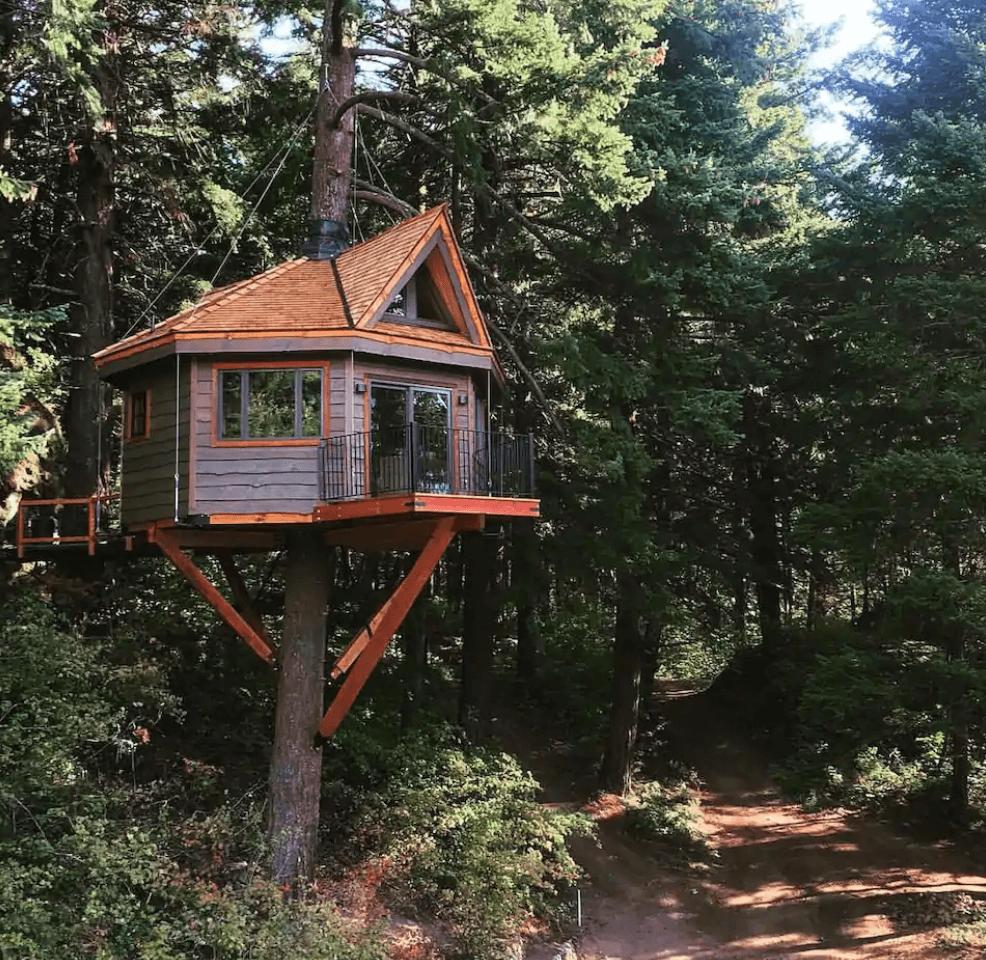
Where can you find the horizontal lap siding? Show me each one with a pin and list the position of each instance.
(250, 479)
(285, 479)
(257, 479)
(148, 478)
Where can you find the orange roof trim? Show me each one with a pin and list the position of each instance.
(321, 298)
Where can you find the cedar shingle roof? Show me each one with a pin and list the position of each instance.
(320, 298)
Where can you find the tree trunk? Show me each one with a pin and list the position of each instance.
(414, 642)
(653, 642)
(955, 650)
(296, 762)
(765, 547)
(87, 440)
(526, 587)
(331, 175)
(478, 627)
(628, 660)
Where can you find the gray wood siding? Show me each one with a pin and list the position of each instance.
(265, 478)
(148, 476)
(256, 479)
(248, 478)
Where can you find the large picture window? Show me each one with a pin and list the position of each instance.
(279, 404)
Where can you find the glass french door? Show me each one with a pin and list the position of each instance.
(410, 439)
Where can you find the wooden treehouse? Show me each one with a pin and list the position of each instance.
(349, 396)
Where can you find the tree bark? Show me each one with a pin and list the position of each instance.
(478, 623)
(628, 662)
(526, 577)
(414, 643)
(88, 444)
(765, 547)
(334, 141)
(296, 762)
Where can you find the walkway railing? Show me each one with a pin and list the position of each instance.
(42, 521)
(420, 459)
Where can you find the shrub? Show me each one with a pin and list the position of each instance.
(468, 843)
(668, 816)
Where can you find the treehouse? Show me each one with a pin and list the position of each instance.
(353, 393)
(338, 399)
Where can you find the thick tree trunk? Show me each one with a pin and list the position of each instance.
(478, 623)
(296, 763)
(331, 176)
(955, 650)
(628, 661)
(87, 441)
(653, 642)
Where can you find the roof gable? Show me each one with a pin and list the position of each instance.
(322, 299)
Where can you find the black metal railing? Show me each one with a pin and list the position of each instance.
(421, 459)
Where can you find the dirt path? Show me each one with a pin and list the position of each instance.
(789, 885)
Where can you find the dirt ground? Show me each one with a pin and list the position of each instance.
(789, 884)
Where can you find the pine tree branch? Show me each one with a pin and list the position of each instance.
(422, 64)
(367, 97)
(532, 228)
(522, 307)
(384, 200)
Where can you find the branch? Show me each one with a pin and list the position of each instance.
(495, 282)
(385, 200)
(422, 64)
(369, 96)
(532, 228)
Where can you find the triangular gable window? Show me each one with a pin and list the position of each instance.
(418, 302)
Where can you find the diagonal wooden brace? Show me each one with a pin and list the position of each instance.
(241, 596)
(368, 646)
(216, 600)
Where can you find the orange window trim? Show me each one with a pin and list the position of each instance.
(260, 366)
(128, 433)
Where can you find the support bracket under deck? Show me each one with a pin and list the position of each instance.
(170, 548)
(368, 646)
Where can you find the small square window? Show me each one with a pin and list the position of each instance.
(138, 415)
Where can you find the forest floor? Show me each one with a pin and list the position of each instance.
(788, 883)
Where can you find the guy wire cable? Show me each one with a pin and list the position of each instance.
(285, 149)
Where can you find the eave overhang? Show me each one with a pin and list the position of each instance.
(368, 342)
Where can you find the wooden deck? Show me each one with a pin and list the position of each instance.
(371, 524)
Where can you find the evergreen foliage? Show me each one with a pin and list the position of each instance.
(754, 377)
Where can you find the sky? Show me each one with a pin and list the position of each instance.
(856, 31)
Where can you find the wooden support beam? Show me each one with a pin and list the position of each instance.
(400, 534)
(241, 596)
(369, 645)
(164, 539)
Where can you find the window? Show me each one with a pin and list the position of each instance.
(138, 415)
(279, 404)
(418, 302)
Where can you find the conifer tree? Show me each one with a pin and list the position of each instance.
(896, 298)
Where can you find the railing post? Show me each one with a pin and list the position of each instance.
(20, 530)
(412, 449)
(323, 469)
(530, 462)
(91, 522)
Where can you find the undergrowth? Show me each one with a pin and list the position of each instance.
(126, 834)
(462, 839)
(669, 817)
